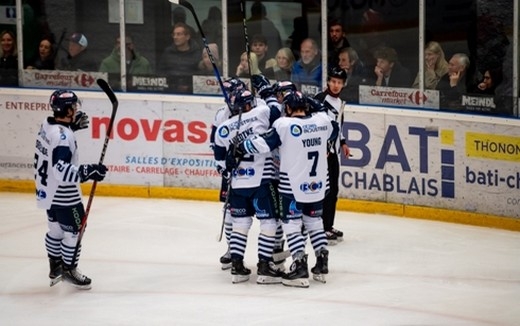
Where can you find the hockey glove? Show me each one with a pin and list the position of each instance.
(224, 173)
(234, 156)
(94, 172)
(262, 86)
(80, 122)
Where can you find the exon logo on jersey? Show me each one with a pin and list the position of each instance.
(40, 194)
(241, 172)
(223, 132)
(311, 187)
(259, 212)
(296, 130)
(398, 155)
(293, 210)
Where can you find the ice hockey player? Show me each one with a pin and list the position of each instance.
(334, 105)
(302, 140)
(231, 85)
(57, 177)
(250, 181)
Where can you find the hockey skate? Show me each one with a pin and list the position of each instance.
(239, 273)
(298, 275)
(332, 239)
(225, 261)
(322, 266)
(338, 233)
(76, 279)
(56, 271)
(268, 273)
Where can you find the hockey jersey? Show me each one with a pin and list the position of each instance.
(56, 166)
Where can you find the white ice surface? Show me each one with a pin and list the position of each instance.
(155, 262)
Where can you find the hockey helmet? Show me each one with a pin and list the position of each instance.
(337, 72)
(295, 100)
(61, 100)
(282, 86)
(240, 98)
(232, 84)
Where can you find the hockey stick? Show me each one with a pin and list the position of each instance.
(246, 40)
(188, 6)
(110, 93)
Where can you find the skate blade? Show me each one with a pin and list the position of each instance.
(239, 278)
(319, 278)
(332, 242)
(262, 279)
(298, 283)
(55, 281)
(225, 267)
(77, 286)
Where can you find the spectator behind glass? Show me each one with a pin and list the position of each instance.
(179, 16)
(435, 66)
(243, 67)
(136, 64)
(77, 57)
(46, 56)
(260, 48)
(212, 26)
(388, 71)
(283, 68)
(336, 42)
(356, 74)
(454, 83)
(300, 32)
(8, 59)
(205, 65)
(180, 61)
(307, 70)
(491, 79)
(258, 23)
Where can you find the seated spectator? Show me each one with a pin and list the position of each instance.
(454, 83)
(136, 64)
(491, 79)
(435, 66)
(388, 71)
(258, 23)
(283, 67)
(356, 74)
(181, 59)
(260, 48)
(8, 59)
(243, 66)
(179, 16)
(205, 65)
(307, 70)
(336, 42)
(46, 56)
(77, 56)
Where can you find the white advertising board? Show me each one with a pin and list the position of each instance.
(437, 161)
(394, 96)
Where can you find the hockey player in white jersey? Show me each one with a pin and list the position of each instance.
(57, 176)
(302, 141)
(250, 181)
(231, 85)
(336, 79)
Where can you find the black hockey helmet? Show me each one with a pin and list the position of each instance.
(240, 98)
(282, 86)
(232, 84)
(61, 100)
(295, 100)
(337, 72)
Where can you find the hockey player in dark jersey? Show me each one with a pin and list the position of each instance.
(250, 192)
(334, 106)
(302, 140)
(57, 176)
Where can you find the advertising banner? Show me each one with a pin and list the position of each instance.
(393, 96)
(432, 161)
(61, 79)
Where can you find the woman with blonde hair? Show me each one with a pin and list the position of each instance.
(435, 66)
(243, 66)
(283, 67)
